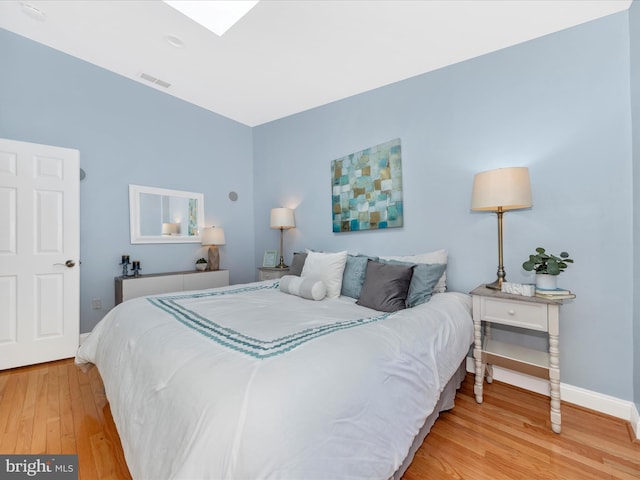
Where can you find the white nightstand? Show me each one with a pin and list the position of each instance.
(269, 273)
(532, 313)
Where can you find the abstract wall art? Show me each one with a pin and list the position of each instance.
(367, 189)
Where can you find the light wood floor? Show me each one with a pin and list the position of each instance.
(56, 408)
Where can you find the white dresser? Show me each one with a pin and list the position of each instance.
(132, 287)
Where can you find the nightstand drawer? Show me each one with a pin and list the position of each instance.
(517, 314)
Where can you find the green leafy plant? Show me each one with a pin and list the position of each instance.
(201, 260)
(543, 262)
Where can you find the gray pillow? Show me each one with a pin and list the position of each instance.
(425, 277)
(385, 286)
(297, 263)
(353, 276)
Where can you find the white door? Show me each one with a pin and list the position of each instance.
(39, 253)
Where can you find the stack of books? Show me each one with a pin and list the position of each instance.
(556, 294)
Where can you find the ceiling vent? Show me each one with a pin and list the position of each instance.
(152, 79)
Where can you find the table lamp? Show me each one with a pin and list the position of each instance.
(212, 237)
(497, 191)
(282, 218)
(170, 228)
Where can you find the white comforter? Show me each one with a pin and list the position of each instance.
(247, 382)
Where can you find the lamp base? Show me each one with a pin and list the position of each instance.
(281, 264)
(213, 260)
(497, 285)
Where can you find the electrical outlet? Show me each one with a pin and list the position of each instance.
(96, 304)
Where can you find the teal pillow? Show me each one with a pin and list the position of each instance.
(424, 279)
(353, 276)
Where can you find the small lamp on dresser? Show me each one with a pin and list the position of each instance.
(283, 219)
(212, 237)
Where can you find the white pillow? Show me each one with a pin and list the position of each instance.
(437, 256)
(303, 287)
(327, 267)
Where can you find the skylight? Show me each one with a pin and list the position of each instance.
(215, 15)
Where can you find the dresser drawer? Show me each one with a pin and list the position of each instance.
(518, 314)
(155, 284)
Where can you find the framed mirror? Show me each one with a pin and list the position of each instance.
(160, 215)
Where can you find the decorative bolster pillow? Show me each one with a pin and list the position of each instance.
(304, 287)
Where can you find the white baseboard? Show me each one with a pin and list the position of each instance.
(635, 422)
(599, 402)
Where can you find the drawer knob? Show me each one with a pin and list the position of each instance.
(511, 312)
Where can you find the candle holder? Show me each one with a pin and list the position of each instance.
(136, 268)
(125, 265)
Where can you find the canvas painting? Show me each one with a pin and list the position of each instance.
(367, 189)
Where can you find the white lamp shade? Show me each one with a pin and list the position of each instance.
(509, 188)
(212, 236)
(282, 218)
(170, 228)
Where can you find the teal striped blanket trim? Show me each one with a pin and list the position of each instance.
(249, 345)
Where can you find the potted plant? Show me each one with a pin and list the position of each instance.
(201, 264)
(547, 267)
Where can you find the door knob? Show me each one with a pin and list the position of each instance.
(68, 264)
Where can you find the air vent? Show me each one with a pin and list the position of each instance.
(152, 79)
(162, 83)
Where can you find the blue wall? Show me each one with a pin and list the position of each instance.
(634, 24)
(559, 105)
(128, 133)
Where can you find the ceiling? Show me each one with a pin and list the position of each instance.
(288, 56)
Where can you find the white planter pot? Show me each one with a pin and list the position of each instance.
(201, 266)
(545, 281)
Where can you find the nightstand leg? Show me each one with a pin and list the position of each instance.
(488, 368)
(477, 355)
(554, 380)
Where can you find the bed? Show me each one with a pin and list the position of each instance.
(249, 381)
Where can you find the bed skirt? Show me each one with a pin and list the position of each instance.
(445, 402)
